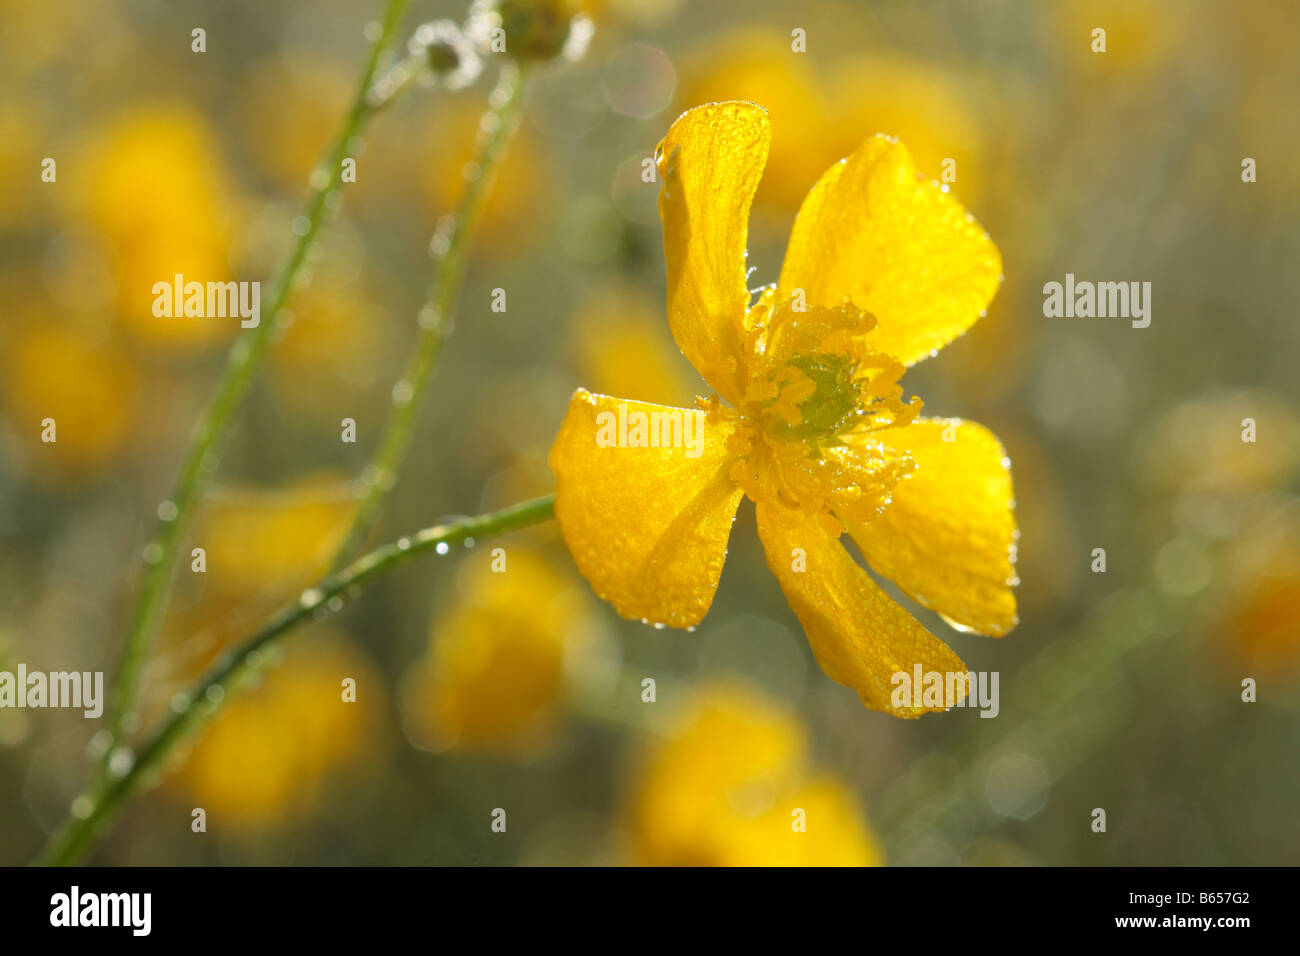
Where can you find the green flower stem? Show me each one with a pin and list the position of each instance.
(207, 439)
(450, 248)
(95, 810)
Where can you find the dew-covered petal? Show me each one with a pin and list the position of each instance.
(710, 161)
(647, 526)
(860, 636)
(948, 538)
(897, 245)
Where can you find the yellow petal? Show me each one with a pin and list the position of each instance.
(860, 636)
(647, 526)
(948, 539)
(895, 244)
(711, 161)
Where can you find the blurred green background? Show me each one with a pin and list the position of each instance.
(522, 691)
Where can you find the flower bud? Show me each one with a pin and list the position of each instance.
(447, 52)
(531, 30)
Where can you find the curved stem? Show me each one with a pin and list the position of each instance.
(97, 808)
(207, 439)
(450, 247)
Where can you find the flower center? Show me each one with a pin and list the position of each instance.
(815, 395)
(818, 400)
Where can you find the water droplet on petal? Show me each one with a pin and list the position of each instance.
(957, 626)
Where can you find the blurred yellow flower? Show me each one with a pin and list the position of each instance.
(268, 541)
(331, 347)
(812, 113)
(271, 752)
(922, 106)
(620, 343)
(1225, 442)
(89, 389)
(731, 786)
(882, 270)
(288, 108)
(1259, 627)
(496, 673)
(20, 131)
(755, 64)
(151, 181)
(520, 199)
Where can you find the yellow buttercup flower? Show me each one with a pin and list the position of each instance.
(288, 106)
(330, 349)
(1258, 625)
(925, 107)
(814, 110)
(882, 270)
(519, 203)
(731, 786)
(496, 675)
(619, 339)
(1206, 445)
(754, 63)
(275, 752)
(269, 541)
(161, 198)
(88, 391)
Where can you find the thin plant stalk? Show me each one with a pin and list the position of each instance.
(208, 436)
(93, 812)
(450, 247)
